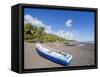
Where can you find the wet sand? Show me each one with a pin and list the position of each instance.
(82, 56)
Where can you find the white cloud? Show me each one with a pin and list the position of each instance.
(48, 29)
(66, 34)
(69, 23)
(34, 21)
(61, 33)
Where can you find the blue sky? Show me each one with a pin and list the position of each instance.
(76, 25)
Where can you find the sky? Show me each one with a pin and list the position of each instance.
(74, 25)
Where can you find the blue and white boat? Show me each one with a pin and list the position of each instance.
(53, 55)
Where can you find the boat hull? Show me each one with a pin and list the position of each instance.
(56, 60)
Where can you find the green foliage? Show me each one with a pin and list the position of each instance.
(32, 33)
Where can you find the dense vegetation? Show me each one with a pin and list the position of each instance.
(33, 33)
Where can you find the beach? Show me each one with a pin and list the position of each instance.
(82, 55)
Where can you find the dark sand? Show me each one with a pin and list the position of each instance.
(82, 56)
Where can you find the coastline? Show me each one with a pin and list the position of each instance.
(82, 55)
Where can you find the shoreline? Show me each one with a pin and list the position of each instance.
(82, 55)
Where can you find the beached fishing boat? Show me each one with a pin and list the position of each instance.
(53, 55)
